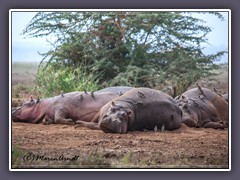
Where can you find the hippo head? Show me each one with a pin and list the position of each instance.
(189, 111)
(24, 113)
(116, 119)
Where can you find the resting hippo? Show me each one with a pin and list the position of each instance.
(225, 96)
(137, 109)
(203, 108)
(120, 90)
(63, 109)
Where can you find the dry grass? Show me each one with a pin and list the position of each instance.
(23, 75)
(220, 82)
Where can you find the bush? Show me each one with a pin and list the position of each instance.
(135, 77)
(54, 79)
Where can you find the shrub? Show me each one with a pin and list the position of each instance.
(53, 80)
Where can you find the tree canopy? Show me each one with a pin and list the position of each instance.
(128, 48)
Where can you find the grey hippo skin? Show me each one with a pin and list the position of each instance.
(120, 90)
(203, 108)
(137, 109)
(225, 97)
(63, 109)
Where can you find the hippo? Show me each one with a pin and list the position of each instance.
(137, 109)
(62, 109)
(120, 90)
(203, 108)
(225, 97)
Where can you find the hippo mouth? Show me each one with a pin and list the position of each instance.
(106, 130)
(119, 130)
(15, 112)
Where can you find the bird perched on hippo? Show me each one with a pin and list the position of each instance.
(203, 108)
(137, 109)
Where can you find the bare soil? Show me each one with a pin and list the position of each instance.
(63, 146)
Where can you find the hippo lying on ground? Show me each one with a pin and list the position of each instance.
(62, 109)
(120, 90)
(203, 108)
(137, 109)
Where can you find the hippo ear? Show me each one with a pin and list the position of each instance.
(112, 104)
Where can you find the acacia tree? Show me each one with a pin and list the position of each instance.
(128, 48)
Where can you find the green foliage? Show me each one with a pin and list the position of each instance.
(135, 76)
(16, 153)
(52, 80)
(126, 48)
(127, 159)
(184, 67)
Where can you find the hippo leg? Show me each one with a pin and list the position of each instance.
(90, 125)
(64, 121)
(190, 122)
(47, 121)
(215, 125)
(214, 122)
(59, 118)
(225, 124)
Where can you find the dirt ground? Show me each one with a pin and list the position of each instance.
(63, 146)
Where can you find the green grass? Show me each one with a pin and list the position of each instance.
(16, 153)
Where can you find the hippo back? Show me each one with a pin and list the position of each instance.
(116, 89)
(149, 107)
(154, 108)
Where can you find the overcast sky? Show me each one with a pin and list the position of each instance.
(26, 49)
